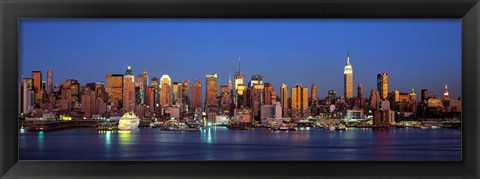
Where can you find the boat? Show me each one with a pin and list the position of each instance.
(341, 127)
(128, 121)
(236, 127)
(181, 128)
(425, 127)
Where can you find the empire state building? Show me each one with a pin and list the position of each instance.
(348, 78)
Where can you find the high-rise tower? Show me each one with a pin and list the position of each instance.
(348, 78)
(360, 91)
(211, 90)
(196, 95)
(49, 81)
(314, 93)
(284, 99)
(129, 90)
(382, 85)
(445, 93)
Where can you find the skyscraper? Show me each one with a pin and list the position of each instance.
(230, 86)
(141, 86)
(256, 79)
(37, 84)
(142, 80)
(165, 90)
(348, 78)
(196, 95)
(445, 93)
(49, 81)
(185, 93)
(424, 95)
(374, 99)
(114, 88)
(150, 98)
(284, 99)
(156, 85)
(211, 92)
(299, 102)
(314, 94)
(225, 97)
(382, 85)
(177, 92)
(332, 94)
(413, 96)
(267, 98)
(129, 99)
(360, 91)
(256, 99)
(238, 76)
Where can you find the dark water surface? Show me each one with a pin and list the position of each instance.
(220, 143)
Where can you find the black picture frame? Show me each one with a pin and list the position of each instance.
(12, 10)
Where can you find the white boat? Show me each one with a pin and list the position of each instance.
(128, 121)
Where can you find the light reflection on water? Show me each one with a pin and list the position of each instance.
(219, 143)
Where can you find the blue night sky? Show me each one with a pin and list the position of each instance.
(422, 53)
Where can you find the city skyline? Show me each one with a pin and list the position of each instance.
(437, 74)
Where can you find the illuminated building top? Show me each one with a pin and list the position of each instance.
(445, 92)
(348, 67)
(129, 71)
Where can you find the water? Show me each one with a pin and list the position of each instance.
(220, 143)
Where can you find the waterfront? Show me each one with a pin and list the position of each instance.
(219, 143)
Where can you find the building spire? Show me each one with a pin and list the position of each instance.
(348, 57)
(239, 65)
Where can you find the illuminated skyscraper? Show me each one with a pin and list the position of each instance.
(299, 102)
(256, 79)
(37, 84)
(274, 97)
(211, 92)
(225, 97)
(142, 80)
(413, 96)
(185, 93)
(230, 86)
(348, 78)
(445, 93)
(256, 99)
(114, 88)
(382, 85)
(314, 94)
(129, 99)
(242, 96)
(284, 99)
(156, 85)
(268, 94)
(238, 76)
(26, 99)
(165, 90)
(332, 94)
(177, 92)
(49, 81)
(150, 98)
(196, 95)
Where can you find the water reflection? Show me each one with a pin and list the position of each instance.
(124, 137)
(220, 143)
(40, 139)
